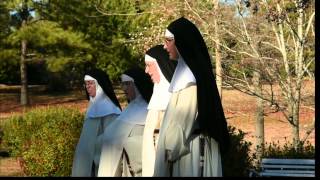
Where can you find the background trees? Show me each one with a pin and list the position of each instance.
(34, 38)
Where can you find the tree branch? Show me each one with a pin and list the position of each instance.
(309, 131)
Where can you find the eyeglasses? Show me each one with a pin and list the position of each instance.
(167, 40)
(89, 83)
(126, 83)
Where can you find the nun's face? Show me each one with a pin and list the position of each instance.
(91, 87)
(170, 46)
(152, 70)
(128, 88)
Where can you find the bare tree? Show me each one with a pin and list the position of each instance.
(281, 56)
(217, 48)
(289, 43)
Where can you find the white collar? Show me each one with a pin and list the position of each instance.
(182, 77)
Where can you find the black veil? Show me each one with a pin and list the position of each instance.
(193, 49)
(142, 81)
(166, 65)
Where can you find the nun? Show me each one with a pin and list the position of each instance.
(102, 110)
(122, 139)
(161, 69)
(194, 131)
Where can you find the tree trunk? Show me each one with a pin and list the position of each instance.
(24, 99)
(293, 115)
(259, 131)
(299, 73)
(217, 51)
(295, 127)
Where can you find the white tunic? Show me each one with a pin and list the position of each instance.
(176, 143)
(124, 134)
(88, 149)
(149, 144)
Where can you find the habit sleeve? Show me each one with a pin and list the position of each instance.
(180, 115)
(153, 121)
(89, 146)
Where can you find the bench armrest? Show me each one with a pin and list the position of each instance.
(253, 173)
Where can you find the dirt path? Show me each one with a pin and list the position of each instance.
(239, 110)
(9, 166)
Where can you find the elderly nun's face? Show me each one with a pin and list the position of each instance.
(152, 70)
(91, 87)
(171, 48)
(128, 88)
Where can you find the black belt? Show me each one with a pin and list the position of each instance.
(202, 144)
(196, 132)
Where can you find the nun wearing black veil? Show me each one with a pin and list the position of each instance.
(160, 68)
(122, 139)
(102, 110)
(194, 125)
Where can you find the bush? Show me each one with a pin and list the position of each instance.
(45, 139)
(9, 67)
(238, 160)
(304, 151)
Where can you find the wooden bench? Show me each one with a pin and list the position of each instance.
(286, 167)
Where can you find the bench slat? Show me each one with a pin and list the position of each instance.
(286, 167)
(288, 161)
(287, 175)
(289, 171)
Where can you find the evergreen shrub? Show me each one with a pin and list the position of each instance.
(44, 139)
(238, 160)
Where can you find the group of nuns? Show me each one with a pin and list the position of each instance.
(173, 125)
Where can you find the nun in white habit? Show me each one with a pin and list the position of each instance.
(102, 110)
(194, 126)
(122, 139)
(160, 68)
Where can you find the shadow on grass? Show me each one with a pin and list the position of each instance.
(4, 153)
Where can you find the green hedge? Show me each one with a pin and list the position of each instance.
(45, 139)
(304, 151)
(238, 160)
